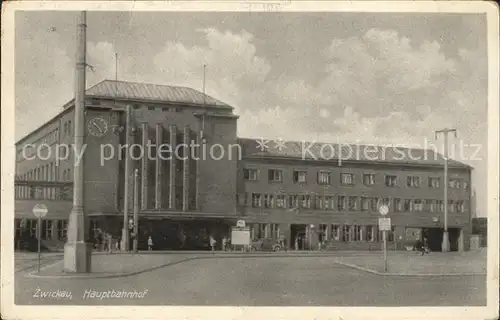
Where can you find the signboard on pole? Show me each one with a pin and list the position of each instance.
(40, 210)
(240, 236)
(384, 224)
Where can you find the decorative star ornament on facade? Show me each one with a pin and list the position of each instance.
(280, 144)
(262, 144)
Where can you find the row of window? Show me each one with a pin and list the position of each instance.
(48, 139)
(51, 229)
(46, 172)
(349, 203)
(345, 233)
(167, 109)
(325, 178)
(43, 193)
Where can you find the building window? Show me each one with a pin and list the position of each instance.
(299, 176)
(434, 182)
(328, 204)
(335, 232)
(390, 181)
(386, 202)
(342, 203)
(347, 178)
(256, 200)
(365, 204)
(413, 182)
(374, 204)
(280, 201)
(305, 201)
(250, 174)
(353, 203)
(32, 227)
(324, 203)
(346, 232)
(465, 184)
(356, 236)
(46, 229)
(62, 229)
(408, 205)
(451, 206)
(323, 233)
(418, 205)
(293, 201)
(368, 179)
(324, 178)
(454, 183)
(369, 233)
(268, 201)
(275, 175)
(440, 205)
(460, 206)
(430, 205)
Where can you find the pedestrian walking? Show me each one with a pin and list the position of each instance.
(117, 245)
(150, 244)
(212, 243)
(296, 243)
(224, 243)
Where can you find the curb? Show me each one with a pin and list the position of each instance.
(404, 274)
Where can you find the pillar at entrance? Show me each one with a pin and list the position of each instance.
(173, 169)
(158, 167)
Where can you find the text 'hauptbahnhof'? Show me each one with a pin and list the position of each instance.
(197, 178)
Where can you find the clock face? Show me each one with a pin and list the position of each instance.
(98, 127)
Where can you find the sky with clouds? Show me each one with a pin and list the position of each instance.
(369, 78)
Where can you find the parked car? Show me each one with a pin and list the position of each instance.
(267, 244)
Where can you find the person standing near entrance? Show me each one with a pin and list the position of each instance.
(296, 243)
(150, 244)
(212, 243)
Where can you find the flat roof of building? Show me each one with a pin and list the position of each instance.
(311, 150)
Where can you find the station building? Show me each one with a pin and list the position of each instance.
(302, 192)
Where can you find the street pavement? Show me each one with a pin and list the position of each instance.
(254, 281)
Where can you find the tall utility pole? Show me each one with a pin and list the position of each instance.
(125, 245)
(77, 252)
(445, 245)
(136, 210)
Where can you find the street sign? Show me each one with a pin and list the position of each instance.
(40, 210)
(384, 224)
(383, 209)
(240, 223)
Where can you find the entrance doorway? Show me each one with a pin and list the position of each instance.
(298, 236)
(435, 237)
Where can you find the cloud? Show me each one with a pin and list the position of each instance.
(233, 68)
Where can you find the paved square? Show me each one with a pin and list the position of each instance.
(263, 281)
